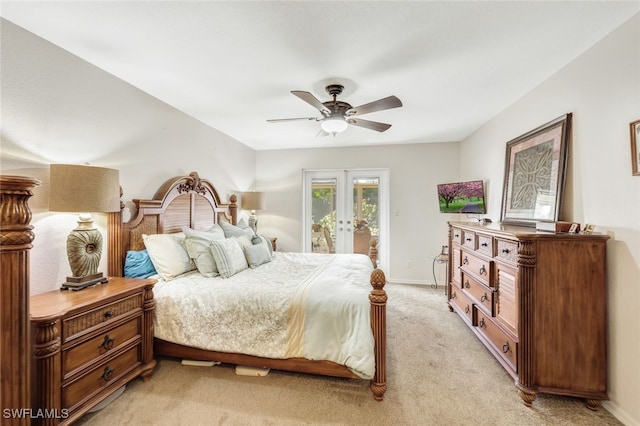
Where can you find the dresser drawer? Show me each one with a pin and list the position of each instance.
(456, 235)
(485, 244)
(507, 250)
(73, 326)
(107, 341)
(463, 304)
(469, 239)
(481, 294)
(100, 377)
(480, 268)
(504, 345)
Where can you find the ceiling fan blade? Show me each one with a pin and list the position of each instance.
(277, 120)
(322, 133)
(372, 125)
(312, 100)
(379, 105)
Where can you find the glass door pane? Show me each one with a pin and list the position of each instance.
(366, 218)
(323, 215)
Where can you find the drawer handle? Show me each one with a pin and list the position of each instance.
(483, 270)
(484, 298)
(108, 314)
(465, 261)
(456, 235)
(481, 323)
(466, 284)
(107, 343)
(468, 239)
(467, 309)
(107, 374)
(484, 245)
(506, 348)
(454, 295)
(506, 251)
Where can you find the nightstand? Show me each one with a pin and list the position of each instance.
(89, 343)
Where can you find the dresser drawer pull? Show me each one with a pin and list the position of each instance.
(456, 235)
(483, 270)
(506, 348)
(467, 309)
(468, 239)
(481, 323)
(484, 245)
(484, 298)
(465, 261)
(107, 343)
(107, 374)
(466, 284)
(454, 295)
(108, 314)
(506, 251)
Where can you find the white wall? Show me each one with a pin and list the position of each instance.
(57, 108)
(416, 233)
(602, 90)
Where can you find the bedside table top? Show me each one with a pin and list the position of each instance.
(56, 302)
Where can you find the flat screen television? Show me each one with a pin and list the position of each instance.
(462, 197)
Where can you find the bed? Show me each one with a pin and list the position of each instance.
(350, 282)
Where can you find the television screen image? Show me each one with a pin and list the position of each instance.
(462, 197)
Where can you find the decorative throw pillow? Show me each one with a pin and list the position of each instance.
(235, 231)
(257, 254)
(229, 257)
(137, 264)
(198, 245)
(266, 241)
(168, 254)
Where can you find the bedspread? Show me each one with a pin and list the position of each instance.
(307, 305)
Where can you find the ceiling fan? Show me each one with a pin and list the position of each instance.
(337, 115)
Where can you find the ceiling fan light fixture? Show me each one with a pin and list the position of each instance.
(334, 125)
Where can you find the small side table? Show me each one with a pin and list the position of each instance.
(440, 259)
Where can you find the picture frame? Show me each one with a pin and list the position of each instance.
(634, 129)
(574, 228)
(534, 175)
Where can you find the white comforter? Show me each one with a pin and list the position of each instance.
(307, 305)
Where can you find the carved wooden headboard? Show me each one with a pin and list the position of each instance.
(180, 201)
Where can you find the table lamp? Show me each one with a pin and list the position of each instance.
(253, 201)
(84, 189)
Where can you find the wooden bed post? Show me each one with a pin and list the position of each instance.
(378, 300)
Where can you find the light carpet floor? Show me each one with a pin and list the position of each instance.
(438, 373)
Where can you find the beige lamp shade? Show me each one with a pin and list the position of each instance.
(253, 200)
(76, 188)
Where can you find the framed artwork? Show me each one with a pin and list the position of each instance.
(635, 147)
(534, 174)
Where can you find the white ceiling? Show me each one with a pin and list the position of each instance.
(232, 64)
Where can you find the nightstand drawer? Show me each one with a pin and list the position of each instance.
(91, 383)
(75, 325)
(108, 341)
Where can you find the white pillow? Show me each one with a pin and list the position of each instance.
(235, 231)
(168, 254)
(214, 233)
(229, 257)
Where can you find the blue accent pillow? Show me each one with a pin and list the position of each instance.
(137, 264)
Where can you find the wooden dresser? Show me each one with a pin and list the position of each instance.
(89, 343)
(538, 302)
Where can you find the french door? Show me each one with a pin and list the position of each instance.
(344, 209)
